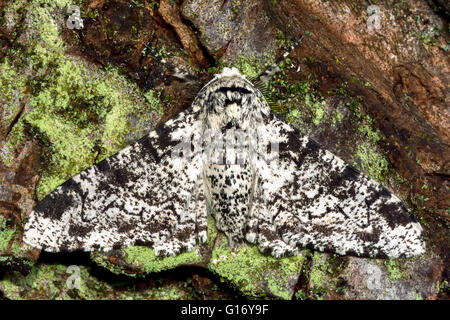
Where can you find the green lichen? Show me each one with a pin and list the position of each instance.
(255, 275)
(212, 232)
(12, 91)
(317, 108)
(6, 234)
(372, 135)
(394, 270)
(15, 136)
(294, 115)
(11, 250)
(372, 161)
(141, 260)
(417, 296)
(337, 119)
(52, 281)
(79, 114)
(153, 98)
(15, 253)
(40, 279)
(11, 84)
(146, 260)
(323, 276)
(319, 276)
(304, 104)
(300, 295)
(81, 120)
(250, 67)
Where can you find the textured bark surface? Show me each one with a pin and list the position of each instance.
(377, 98)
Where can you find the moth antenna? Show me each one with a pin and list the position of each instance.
(196, 86)
(264, 89)
(176, 72)
(267, 74)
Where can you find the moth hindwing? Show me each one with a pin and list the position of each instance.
(228, 156)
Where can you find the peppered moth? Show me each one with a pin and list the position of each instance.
(227, 156)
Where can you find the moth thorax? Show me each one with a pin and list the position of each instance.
(228, 117)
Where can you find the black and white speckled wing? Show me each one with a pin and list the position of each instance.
(140, 195)
(310, 198)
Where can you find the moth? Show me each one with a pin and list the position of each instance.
(230, 157)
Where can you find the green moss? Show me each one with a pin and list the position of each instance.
(305, 105)
(312, 106)
(6, 261)
(255, 275)
(283, 42)
(444, 286)
(93, 14)
(102, 260)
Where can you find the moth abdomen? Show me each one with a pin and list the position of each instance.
(230, 188)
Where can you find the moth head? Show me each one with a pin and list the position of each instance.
(228, 100)
(229, 72)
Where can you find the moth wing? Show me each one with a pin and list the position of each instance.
(308, 197)
(142, 194)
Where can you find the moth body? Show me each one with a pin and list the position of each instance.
(230, 102)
